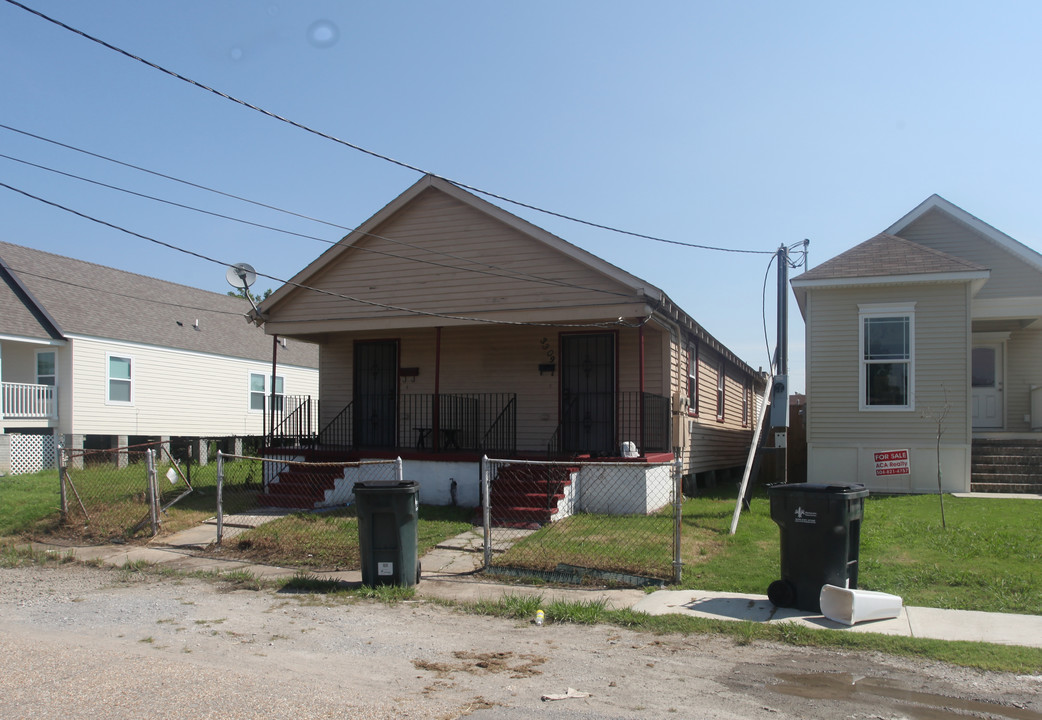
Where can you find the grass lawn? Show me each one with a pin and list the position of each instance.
(25, 500)
(989, 558)
(329, 540)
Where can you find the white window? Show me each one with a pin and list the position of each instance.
(259, 390)
(46, 367)
(887, 352)
(120, 380)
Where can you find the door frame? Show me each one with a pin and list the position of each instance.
(356, 434)
(562, 411)
(997, 342)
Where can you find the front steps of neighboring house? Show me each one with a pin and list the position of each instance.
(1006, 466)
(531, 495)
(300, 489)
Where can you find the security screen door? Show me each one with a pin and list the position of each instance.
(375, 413)
(588, 393)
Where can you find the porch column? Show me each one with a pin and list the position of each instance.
(640, 404)
(436, 405)
(122, 457)
(274, 372)
(75, 442)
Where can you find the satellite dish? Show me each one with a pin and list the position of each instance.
(241, 275)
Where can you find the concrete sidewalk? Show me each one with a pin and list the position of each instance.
(450, 570)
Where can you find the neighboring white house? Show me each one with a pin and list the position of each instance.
(105, 358)
(933, 325)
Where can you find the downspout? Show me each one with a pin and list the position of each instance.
(436, 405)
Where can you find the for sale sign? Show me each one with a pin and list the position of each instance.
(892, 462)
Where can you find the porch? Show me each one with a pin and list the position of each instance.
(28, 401)
(473, 424)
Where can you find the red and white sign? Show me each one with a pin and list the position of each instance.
(892, 462)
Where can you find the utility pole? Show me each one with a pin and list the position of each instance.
(780, 393)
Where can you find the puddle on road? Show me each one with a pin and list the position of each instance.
(914, 703)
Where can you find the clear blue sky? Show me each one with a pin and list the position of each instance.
(744, 125)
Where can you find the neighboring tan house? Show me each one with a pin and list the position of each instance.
(449, 328)
(105, 358)
(933, 326)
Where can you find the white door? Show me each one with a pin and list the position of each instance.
(987, 386)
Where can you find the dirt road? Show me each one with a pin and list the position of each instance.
(81, 642)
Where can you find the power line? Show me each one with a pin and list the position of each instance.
(362, 301)
(366, 151)
(507, 272)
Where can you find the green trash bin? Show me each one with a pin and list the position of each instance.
(820, 540)
(388, 515)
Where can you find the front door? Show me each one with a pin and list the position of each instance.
(987, 386)
(375, 409)
(588, 393)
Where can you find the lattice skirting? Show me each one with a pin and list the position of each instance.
(30, 453)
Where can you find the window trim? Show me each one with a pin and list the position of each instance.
(747, 393)
(692, 379)
(109, 379)
(250, 392)
(53, 375)
(885, 310)
(721, 392)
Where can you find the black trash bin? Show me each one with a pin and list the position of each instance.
(388, 514)
(820, 540)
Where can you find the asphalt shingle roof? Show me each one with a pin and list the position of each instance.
(98, 301)
(888, 255)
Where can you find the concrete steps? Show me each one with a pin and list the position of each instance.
(1006, 466)
(299, 489)
(528, 495)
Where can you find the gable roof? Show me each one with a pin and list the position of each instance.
(887, 255)
(936, 202)
(641, 293)
(366, 229)
(888, 259)
(48, 297)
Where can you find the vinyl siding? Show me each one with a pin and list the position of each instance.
(1010, 275)
(941, 365)
(1023, 371)
(712, 445)
(841, 438)
(175, 393)
(415, 263)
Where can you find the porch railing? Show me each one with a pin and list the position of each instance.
(447, 422)
(28, 401)
(290, 418)
(587, 426)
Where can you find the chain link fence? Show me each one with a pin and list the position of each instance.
(572, 522)
(575, 522)
(282, 510)
(114, 493)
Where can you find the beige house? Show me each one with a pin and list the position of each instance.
(449, 328)
(933, 325)
(103, 358)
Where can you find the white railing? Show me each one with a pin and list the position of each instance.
(26, 400)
